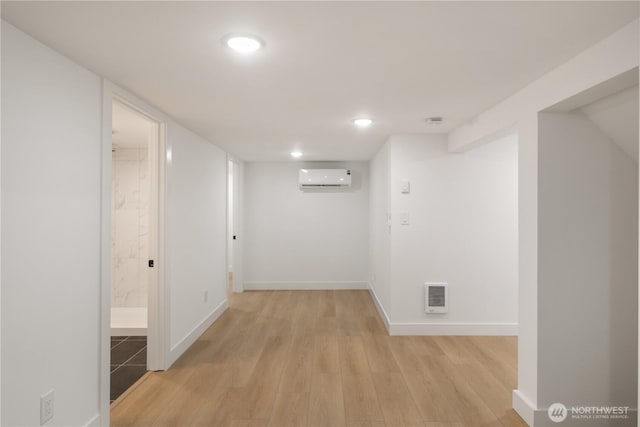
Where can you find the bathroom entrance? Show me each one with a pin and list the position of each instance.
(133, 187)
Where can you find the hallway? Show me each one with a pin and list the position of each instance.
(323, 358)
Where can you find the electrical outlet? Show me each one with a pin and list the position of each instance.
(205, 296)
(47, 406)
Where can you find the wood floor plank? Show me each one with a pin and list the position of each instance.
(434, 396)
(379, 354)
(200, 390)
(353, 358)
(248, 353)
(426, 346)
(296, 377)
(458, 354)
(326, 405)
(326, 356)
(290, 410)
(265, 378)
(395, 400)
(327, 326)
(439, 424)
(139, 408)
(457, 392)
(248, 423)
(326, 304)
(324, 359)
(366, 424)
(360, 398)
(512, 419)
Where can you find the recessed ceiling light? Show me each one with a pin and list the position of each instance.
(362, 122)
(243, 43)
(433, 120)
(296, 154)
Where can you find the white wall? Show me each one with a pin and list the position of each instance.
(51, 246)
(616, 116)
(196, 235)
(607, 67)
(525, 397)
(463, 230)
(588, 266)
(51, 174)
(130, 228)
(380, 230)
(304, 239)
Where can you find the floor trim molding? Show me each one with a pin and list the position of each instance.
(303, 285)
(464, 329)
(191, 337)
(523, 406)
(94, 421)
(490, 329)
(380, 308)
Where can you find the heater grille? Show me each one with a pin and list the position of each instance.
(436, 298)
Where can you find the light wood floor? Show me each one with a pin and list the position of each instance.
(323, 358)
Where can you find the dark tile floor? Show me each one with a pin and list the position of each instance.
(128, 363)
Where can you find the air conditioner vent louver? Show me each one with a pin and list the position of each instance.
(436, 298)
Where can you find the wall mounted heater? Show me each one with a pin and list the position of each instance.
(324, 178)
(436, 298)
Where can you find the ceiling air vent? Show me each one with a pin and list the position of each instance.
(434, 120)
(436, 298)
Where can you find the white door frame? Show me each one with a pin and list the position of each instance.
(237, 223)
(158, 315)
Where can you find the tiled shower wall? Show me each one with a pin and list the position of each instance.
(129, 228)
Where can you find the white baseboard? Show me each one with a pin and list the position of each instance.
(380, 308)
(93, 422)
(301, 286)
(187, 341)
(399, 328)
(523, 406)
(489, 329)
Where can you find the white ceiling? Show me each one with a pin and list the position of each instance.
(617, 116)
(324, 63)
(129, 128)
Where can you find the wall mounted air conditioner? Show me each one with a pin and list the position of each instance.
(324, 178)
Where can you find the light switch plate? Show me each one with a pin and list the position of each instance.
(405, 187)
(404, 218)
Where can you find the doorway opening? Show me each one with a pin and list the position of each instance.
(234, 226)
(231, 237)
(133, 239)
